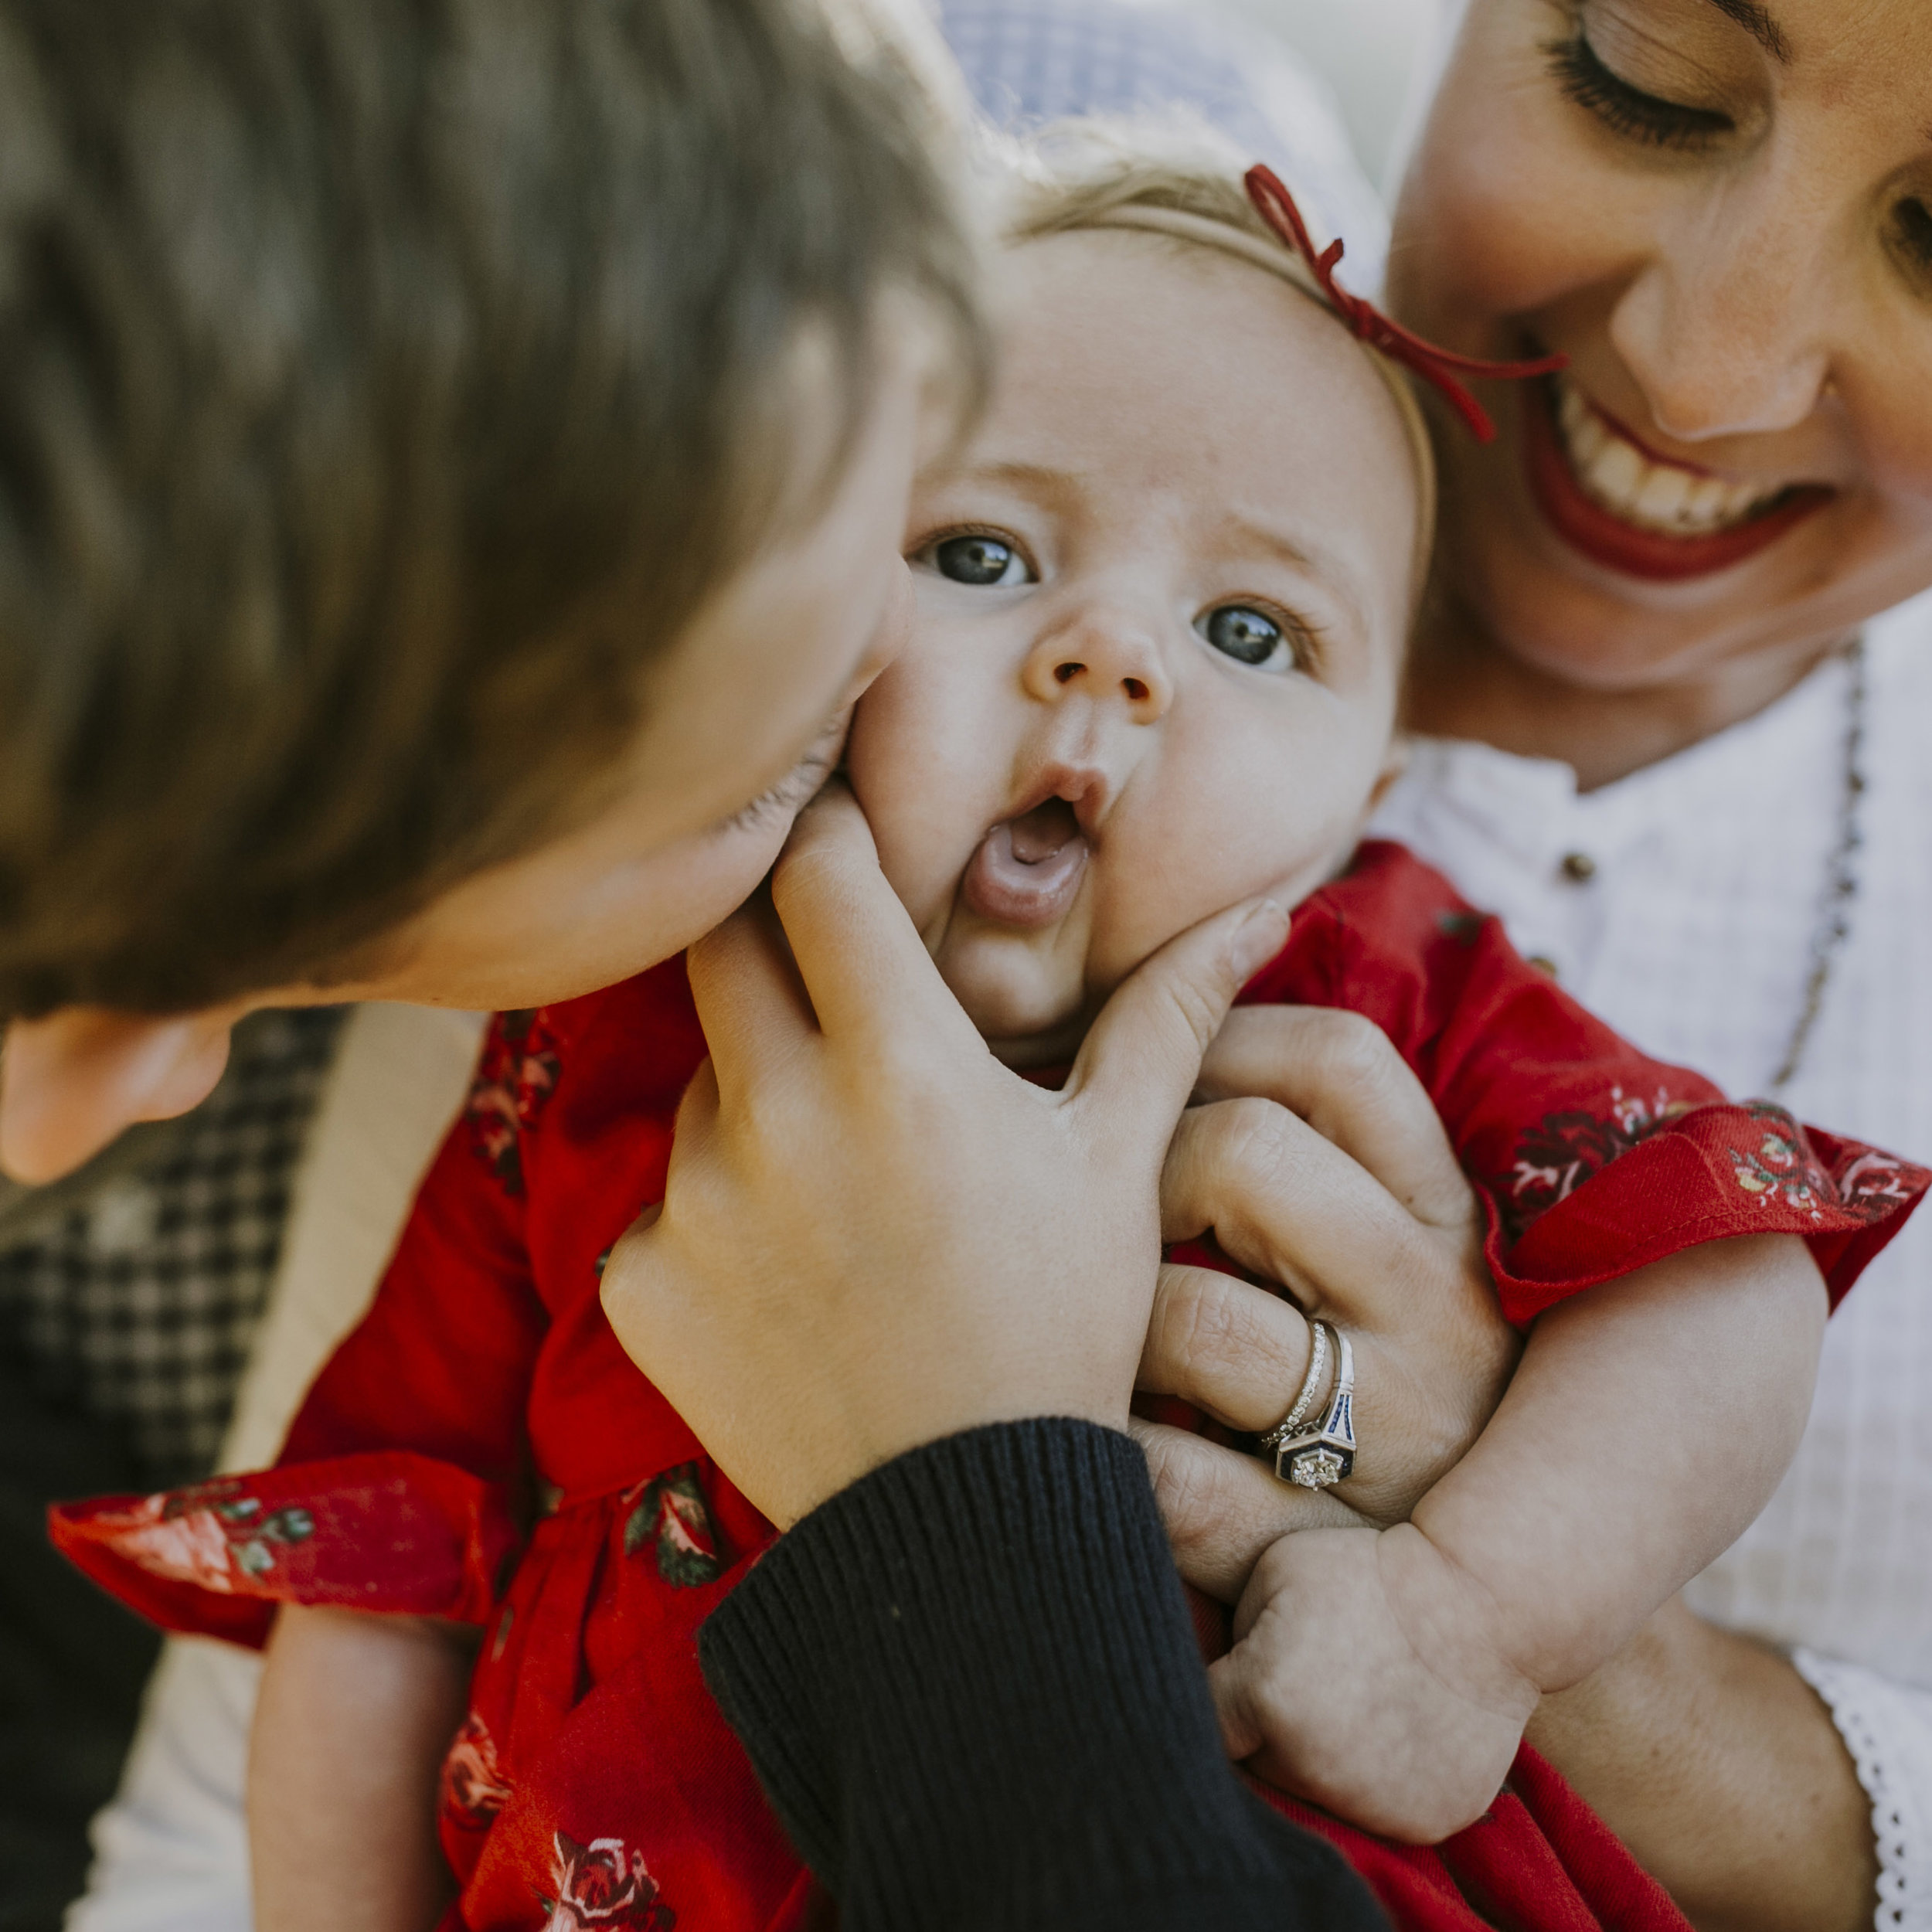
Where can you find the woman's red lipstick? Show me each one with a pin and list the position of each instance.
(1606, 539)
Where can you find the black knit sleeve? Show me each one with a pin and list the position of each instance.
(970, 1686)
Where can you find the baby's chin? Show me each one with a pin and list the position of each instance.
(1030, 1004)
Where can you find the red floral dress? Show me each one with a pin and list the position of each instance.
(481, 1449)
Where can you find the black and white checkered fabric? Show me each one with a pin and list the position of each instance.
(135, 1302)
(1030, 62)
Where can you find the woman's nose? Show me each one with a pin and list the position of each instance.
(1725, 327)
(1101, 654)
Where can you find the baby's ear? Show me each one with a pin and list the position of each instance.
(1394, 763)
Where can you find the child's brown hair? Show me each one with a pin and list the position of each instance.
(358, 358)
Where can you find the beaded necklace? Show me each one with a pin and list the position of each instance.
(1841, 872)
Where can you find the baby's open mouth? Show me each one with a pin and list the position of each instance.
(1027, 869)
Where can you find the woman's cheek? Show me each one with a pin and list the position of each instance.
(1486, 226)
(1891, 413)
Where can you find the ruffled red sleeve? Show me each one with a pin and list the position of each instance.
(1591, 1159)
(392, 1492)
(388, 1532)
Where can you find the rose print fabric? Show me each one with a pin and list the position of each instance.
(481, 1448)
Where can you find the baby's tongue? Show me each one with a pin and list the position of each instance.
(1026, 871)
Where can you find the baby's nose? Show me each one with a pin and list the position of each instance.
(1101, 655)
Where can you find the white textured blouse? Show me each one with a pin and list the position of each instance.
(1686, 915)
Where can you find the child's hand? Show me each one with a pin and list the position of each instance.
(874, 1235)
(1367, 1676)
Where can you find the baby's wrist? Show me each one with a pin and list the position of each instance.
(1455, 1623)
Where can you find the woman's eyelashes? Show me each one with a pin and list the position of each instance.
(981, 558)
(1645, 118)
(1259, 638)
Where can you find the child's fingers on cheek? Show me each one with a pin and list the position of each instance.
(750, 1000)
(863, 964)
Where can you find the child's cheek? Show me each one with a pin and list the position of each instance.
(898, 773)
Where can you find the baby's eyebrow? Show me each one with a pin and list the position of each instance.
(1252, 535)
(1314, 560)
(1029, 479)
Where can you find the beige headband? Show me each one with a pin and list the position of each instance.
(1230, 240)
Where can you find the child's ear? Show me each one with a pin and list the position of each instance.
(1393, 765)
(69, 1083)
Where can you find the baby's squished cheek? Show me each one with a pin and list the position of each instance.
(1161, 600)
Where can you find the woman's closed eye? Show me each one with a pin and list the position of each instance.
(1265, 640)
(1646, 119)
(981, 558)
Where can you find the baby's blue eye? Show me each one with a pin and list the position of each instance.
(982, 560)
(1249, 636)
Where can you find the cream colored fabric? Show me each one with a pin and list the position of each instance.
(171, 1852)
(399, 1076)
(1888, 1730)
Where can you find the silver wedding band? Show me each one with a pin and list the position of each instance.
(1325, 1454)
(1311, 1385)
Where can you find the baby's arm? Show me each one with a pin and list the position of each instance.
(1388, 1674)
(355, 1714)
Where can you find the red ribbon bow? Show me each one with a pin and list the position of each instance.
(1439, 367)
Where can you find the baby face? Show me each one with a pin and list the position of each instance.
(1161, 604)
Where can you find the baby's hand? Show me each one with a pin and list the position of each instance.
(1367, 1676)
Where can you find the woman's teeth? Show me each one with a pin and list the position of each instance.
(1620, 478)
(1028, 869)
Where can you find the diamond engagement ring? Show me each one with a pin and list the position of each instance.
(1311, 1386)
(1326, 1454)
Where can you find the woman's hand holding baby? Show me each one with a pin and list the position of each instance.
(1538, 1556)
(1319, 1163)
(1502, 1587)
(873, 1234)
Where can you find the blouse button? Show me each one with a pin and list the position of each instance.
(1579, 867)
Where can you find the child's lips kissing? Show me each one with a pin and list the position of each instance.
(1027, 868)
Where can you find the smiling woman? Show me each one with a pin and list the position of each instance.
(1720, 216)
(1671, 736)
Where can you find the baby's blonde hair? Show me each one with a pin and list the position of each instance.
(1169, 176)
